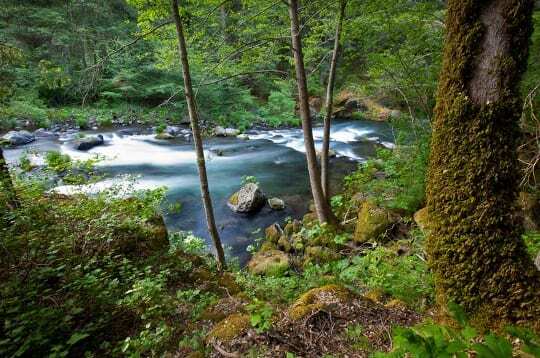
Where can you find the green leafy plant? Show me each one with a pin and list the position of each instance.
(260, 315)
(249, 179)
(187, 242)
(434, 340)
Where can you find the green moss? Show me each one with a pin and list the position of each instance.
(319, 255)
(372, 222)
(270, 262)
(273, 233)
(234, 199)
(475, 245)
(421, 219)
(317, 299)
(230, 328)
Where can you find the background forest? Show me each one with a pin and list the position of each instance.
(100, 275)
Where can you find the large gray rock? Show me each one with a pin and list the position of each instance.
(248, 199)
(89, 142)
(19, 137)
(226, 132)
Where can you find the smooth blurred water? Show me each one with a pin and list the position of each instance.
(274, 157)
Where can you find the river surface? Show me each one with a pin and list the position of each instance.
(275, 157)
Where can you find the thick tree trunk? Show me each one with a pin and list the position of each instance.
(475, 245)
(197, 139)
(324, 213)
(7, 185)
(329, 102)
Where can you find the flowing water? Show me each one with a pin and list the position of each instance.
(274, 157)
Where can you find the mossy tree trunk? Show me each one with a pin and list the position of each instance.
(7, 184)
(329, 102)
(475, 245)
(197, 138)
(324, 212)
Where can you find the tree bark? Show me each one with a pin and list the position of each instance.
(474, 245)
(5, 180)
(324, 213)
(197, 139)
(329, 103)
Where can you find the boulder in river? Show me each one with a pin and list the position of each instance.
(164, 135)
(276, 203)
(173, 130)
(19, 137)
(331, 153)
(88, 143)
(248, 199)
(226, 132)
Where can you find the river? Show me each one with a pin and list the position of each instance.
(274, 157)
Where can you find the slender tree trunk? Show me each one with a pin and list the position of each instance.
(324, 213)
(197, 139)
(5, 180)
(475, 246)
(329, 102)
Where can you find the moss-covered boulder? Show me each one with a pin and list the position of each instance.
(319, 255)
(223, 308)
(270, 262)
(267, 246)
(309, 219)
(421, 219)
(321, 298)
(284, 243)
(273, 232)
(297, 242)
(229, 328)
(372, 222)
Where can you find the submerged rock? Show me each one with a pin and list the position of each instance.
(269, 262)
(372, 222)
(276, 203)
(19, 137)
(248, 199)
(89, 142)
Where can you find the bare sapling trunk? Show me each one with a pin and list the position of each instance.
(7, 185)
(329, 103)
(323, 211)
(197, 139)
